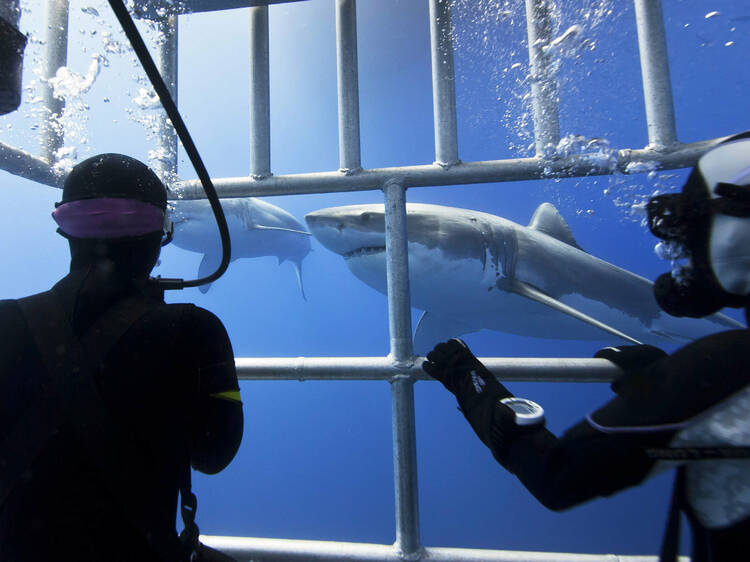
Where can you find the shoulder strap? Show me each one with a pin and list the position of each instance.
(683, 454)
(671, 540)
(71, 394)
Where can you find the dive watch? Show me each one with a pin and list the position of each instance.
(528, 413)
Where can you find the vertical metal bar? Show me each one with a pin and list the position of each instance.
(443, 84)
(544, 93)
(55, 56)
(166, 61)
(260, 106)
(348, 85)
(402, 386)
(399, 305)
(657, 87)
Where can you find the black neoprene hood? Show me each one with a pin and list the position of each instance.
(114, 175)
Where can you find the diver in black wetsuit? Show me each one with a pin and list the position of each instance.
(689, 410)
(100, 481)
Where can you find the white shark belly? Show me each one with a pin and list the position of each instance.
(465, 290)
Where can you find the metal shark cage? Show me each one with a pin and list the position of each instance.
(400, 368)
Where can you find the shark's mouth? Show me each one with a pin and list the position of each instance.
(366, 251)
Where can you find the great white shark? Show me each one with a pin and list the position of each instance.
(471, 270)
(256, 228)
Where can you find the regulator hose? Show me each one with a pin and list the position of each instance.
(136, 41)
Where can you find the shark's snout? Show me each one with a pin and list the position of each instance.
(350, 230)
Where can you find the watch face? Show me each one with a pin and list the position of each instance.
(527, 412)
(522, 408)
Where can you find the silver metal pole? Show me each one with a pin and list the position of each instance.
(22, 164)
(516, 169)
(348, 85)
(443, 84)
(397, 260)
(657, 86)
(260, 105)
(544, 92)
(506, 369)
(679, 156)
(166, 61)
(55, 56)
(402, 386)
(267, 550)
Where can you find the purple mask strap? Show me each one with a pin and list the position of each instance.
(108, 217)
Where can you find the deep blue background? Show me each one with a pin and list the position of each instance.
(315, 462)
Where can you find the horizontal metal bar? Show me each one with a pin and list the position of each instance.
(266, 550)
(154, 10)
(23, 164)
(528, 369)
(518, 169)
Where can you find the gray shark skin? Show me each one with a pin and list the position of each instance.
(256, 229)
(470, 270)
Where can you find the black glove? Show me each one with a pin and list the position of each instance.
(630, 358)
(454, 365)
(478, 393)
(475, 388)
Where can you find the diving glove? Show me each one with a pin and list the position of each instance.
(477, 390)
(454, 365)
(631, 357)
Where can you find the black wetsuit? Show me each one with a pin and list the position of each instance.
(157, 383)
(597, 457)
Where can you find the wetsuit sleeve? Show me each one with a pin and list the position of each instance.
(607, 452)
(217, 421)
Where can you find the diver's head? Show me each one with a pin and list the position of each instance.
(708, 224)
(113, 211)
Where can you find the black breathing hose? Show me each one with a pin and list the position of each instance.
(173, 113)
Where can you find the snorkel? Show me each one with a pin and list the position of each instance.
(136, 41)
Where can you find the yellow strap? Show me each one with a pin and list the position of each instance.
(231, 395)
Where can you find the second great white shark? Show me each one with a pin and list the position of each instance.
(470, 270)
(256, 228)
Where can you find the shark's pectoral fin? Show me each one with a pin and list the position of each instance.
(433, 329)
(282, 229)
(298, 269)
(530, 292)
(208, 265)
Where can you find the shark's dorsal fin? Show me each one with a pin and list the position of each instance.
(530, 292)
(547, 219)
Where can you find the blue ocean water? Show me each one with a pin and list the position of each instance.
(316, 458)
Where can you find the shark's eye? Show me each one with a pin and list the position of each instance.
(366, 217)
